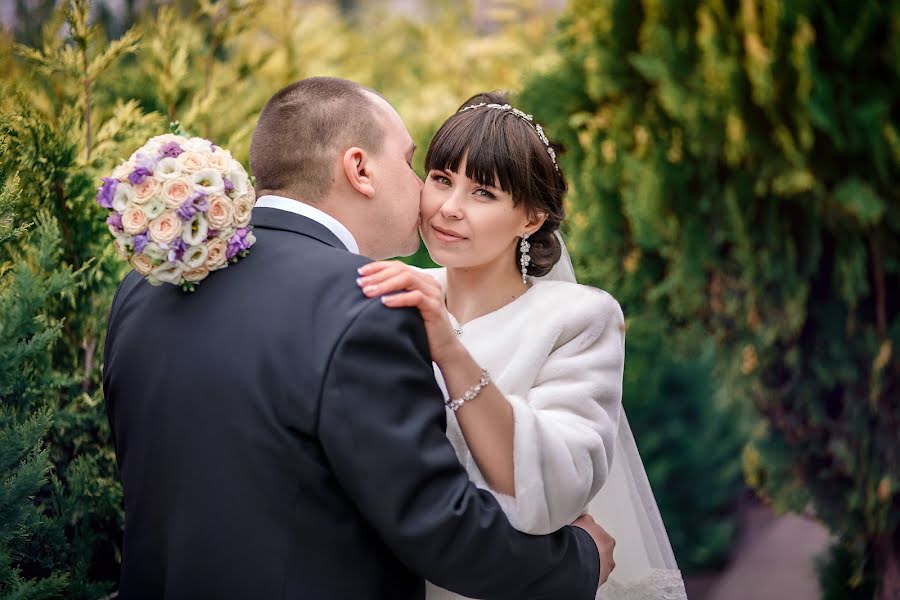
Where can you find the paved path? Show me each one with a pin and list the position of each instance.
(775, 563)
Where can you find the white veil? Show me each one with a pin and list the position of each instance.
(626, 508)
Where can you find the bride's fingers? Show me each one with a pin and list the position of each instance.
(405, 280)
(379, 272)
(375, 267)
(414, 298)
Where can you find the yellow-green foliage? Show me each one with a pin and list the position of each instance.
(74, 105)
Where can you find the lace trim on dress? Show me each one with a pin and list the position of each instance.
(658, 584)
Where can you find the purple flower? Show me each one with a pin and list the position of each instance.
(238, 243)
(211, 233)
(140, 242)
(139, 175)
(176, 250)
(193, 205)
(229, 187)
(170, 150)
(186, 211)
(114, 220)
(107, 192)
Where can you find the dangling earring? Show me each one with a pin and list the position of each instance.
(525, 259)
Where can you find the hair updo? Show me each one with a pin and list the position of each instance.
(500, 147)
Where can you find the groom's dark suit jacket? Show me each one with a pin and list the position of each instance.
(281, 436)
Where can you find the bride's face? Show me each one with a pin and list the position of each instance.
(466, 224)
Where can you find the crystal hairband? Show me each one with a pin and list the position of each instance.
(525, 117)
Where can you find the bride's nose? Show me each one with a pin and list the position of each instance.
(452, 208)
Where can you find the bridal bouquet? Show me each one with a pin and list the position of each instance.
(179, 208)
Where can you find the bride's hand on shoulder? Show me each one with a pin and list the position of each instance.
(399, 285)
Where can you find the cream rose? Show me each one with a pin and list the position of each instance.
(123, 197)
(142, 263)
(176, 191)
(165, 229)
(220, 213)
(191, 162)
(216, 254)
(168, 273)
(134, 221)
(146, 190)
(220, 160)
(196, 275)
(196, 230)
(243, 210)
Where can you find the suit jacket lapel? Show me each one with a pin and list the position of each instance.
(274, 218)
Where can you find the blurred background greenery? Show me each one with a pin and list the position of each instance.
(733, 168)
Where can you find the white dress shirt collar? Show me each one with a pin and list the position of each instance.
(306, 210)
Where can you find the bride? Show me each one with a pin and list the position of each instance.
(530, 362)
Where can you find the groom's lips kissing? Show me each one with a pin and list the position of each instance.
(446, 235)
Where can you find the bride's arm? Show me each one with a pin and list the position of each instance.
(487, 422)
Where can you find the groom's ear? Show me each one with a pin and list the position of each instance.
(358, 170)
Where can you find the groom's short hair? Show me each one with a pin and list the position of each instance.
(302, 130)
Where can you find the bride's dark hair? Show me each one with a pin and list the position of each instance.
(501, 148)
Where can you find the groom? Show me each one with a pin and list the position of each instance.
(279, 435)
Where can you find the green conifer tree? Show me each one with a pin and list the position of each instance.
(735, 167)
(30, 281)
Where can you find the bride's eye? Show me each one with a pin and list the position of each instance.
(438, 178)
(485, 194)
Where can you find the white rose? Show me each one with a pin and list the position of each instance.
(165, 228)
(168, 273)
(123, 197)
(134, 221)
(209, 181)
(195, 256)
(241, 182)
(196, 144)
(196, 230)
(154, 207)
(165, 138)
(156, 254)
(167, 168)
(123, 170)
(124, 245)
(142, 263)
(191, 162)
(243, 210)
(216, 254)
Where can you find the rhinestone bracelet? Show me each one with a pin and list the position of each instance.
(471, 394)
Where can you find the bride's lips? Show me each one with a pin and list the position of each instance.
(446, 235)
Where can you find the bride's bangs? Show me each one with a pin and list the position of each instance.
(492, 147)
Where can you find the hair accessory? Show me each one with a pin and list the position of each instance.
(525, 117)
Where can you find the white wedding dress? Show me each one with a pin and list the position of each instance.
(557, 354)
